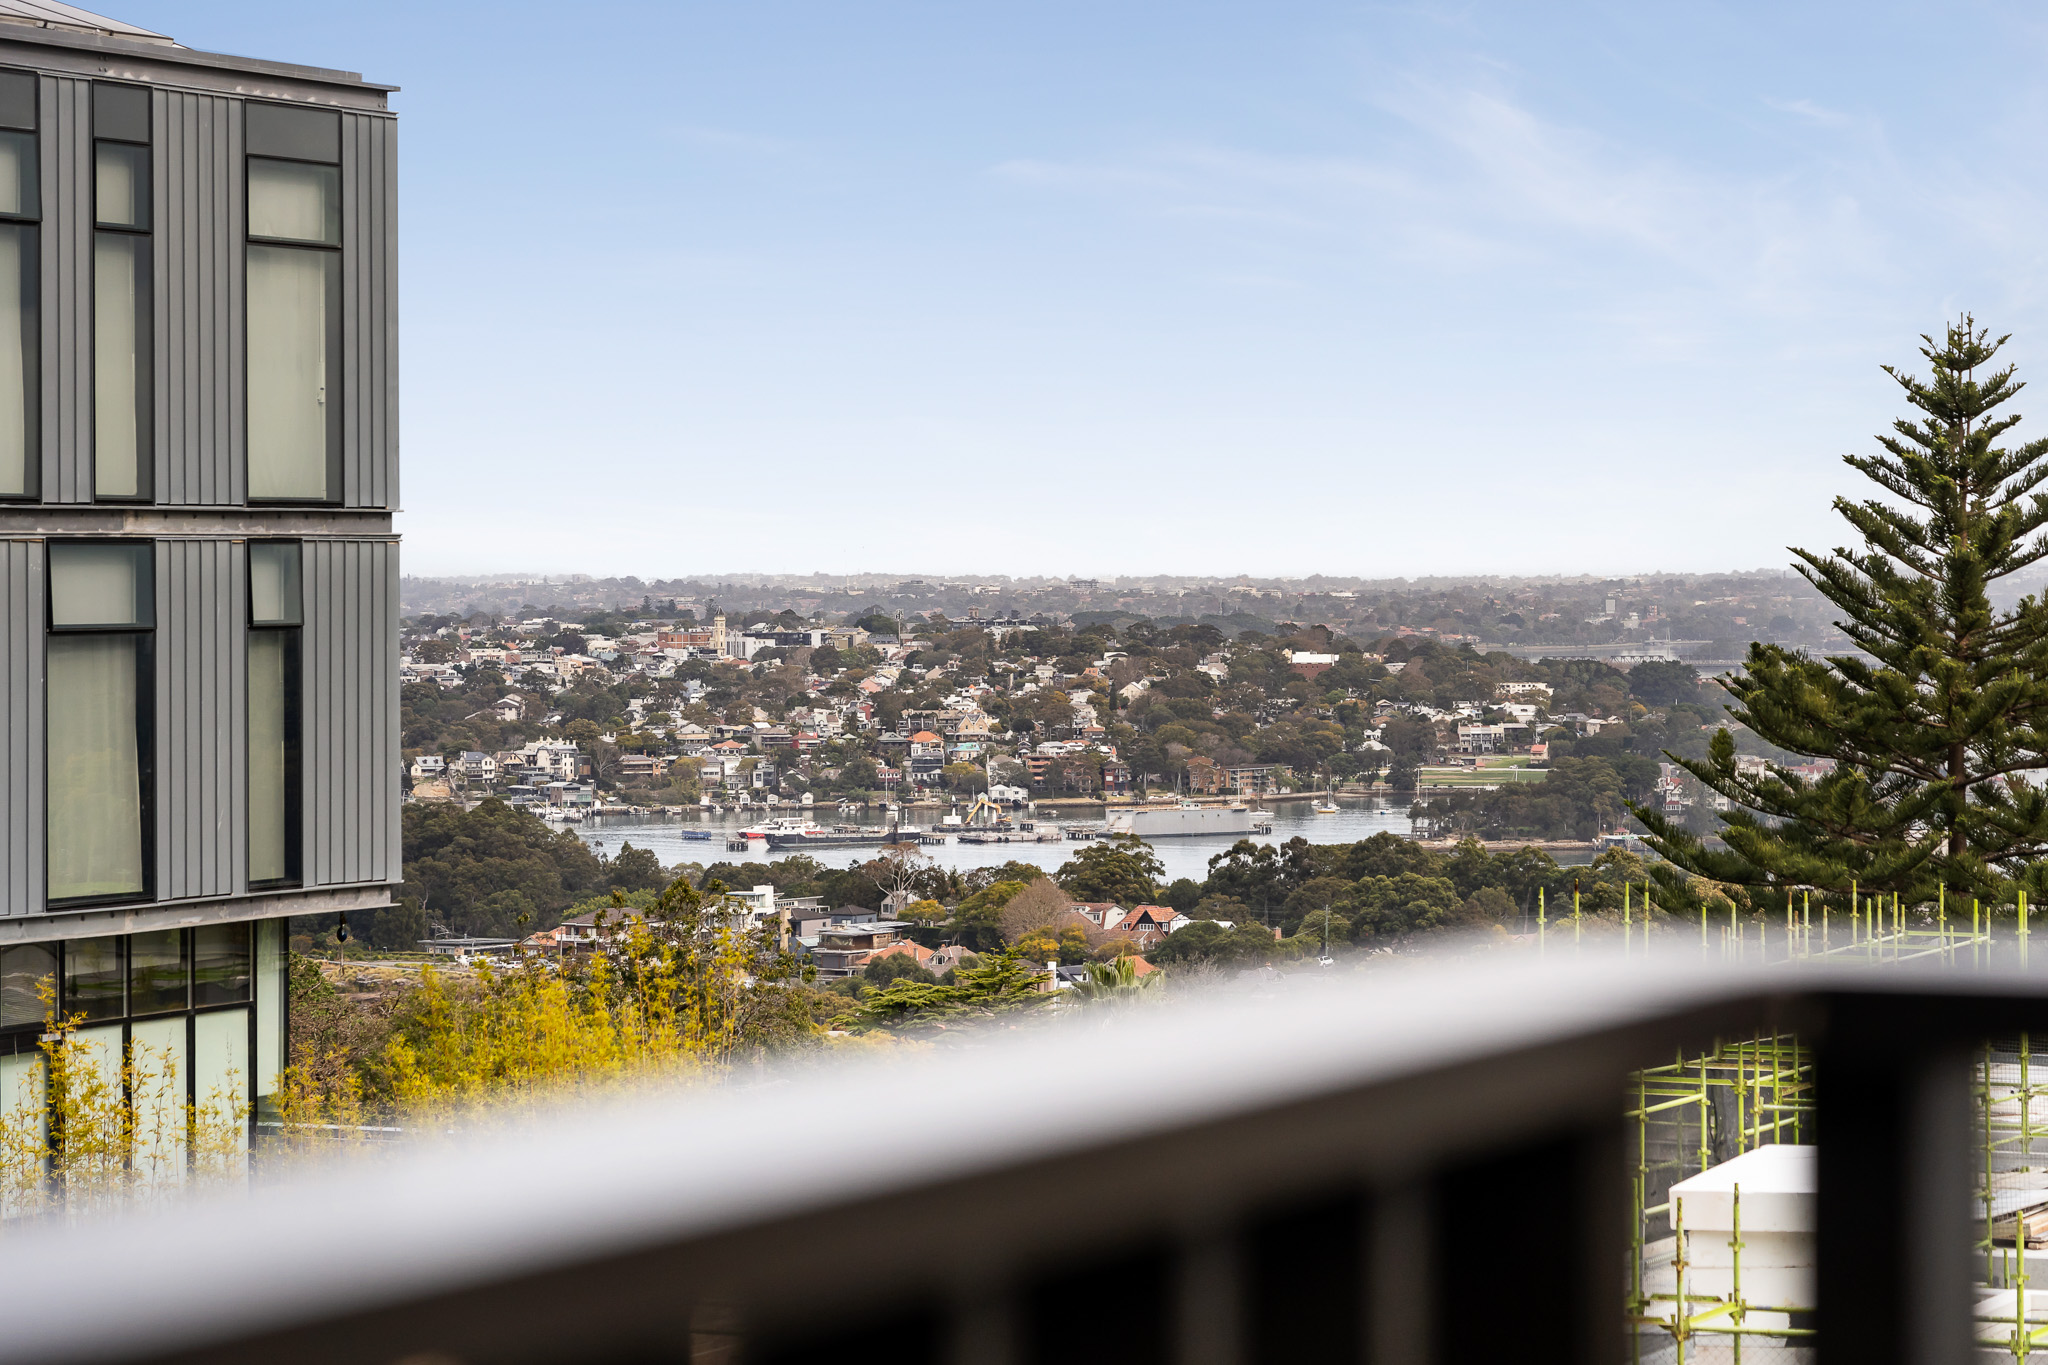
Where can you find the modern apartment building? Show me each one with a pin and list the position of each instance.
(198, 576)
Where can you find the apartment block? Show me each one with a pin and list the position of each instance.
(198, 576)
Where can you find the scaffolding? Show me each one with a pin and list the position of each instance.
(1699, 1111)
(2012, 1194)
(1688, 1116)
(1872, 929)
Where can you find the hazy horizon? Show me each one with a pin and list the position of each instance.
(1154, 575)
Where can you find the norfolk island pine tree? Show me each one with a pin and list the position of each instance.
(1937, 726)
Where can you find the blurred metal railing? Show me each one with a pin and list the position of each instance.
(1402, 1167)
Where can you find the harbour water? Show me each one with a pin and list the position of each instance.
(1187, 856)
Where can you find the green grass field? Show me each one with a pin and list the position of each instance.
(1479, 777)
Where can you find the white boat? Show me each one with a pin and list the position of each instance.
(786, 824)
(1187, 818)
(1326, 807)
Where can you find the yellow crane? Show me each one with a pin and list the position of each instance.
(981, 803)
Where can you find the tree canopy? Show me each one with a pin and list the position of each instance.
(1121, 868)
(1935, 726)
(494, 870)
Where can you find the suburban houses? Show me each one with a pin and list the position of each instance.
(687, 705)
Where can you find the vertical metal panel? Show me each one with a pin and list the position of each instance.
(173, 352)
(235, 723)
(198, 318)
(350, 734)
(369, 289)
(387, 243)
(356, 482)
(200, 734)
(229, 253)
(21, 727)
(317, 709)
(393, 866)
(65, 143)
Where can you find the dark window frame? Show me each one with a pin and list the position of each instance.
(32, 301)
(185, 956)
(145, 330)
(65, 1004)
(292, 633)
(26, 1038)
(145, 717)
(337, 430)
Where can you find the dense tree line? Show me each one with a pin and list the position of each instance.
(490, 872)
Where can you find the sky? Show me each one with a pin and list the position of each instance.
(1199, 288)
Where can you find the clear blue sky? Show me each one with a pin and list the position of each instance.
(1108, 288)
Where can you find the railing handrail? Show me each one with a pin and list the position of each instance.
(933, 1171)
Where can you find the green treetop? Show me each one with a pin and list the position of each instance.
(1936, 725)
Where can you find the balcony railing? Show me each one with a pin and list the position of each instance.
(1399, 1167)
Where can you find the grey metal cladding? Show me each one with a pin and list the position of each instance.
(369, 291)
(386, 232)
(199, 321)
(350, 733)
(65, 146)
(21, 727)
(201, 736)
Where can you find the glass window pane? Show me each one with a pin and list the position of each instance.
(294, 356)
(95, 769)
(157, 1079)
(17, 100)
(273, 583)
(24, 1108)
(270, 988)
(18, 191)
(220, 1077)
(220, 971)
(100, 583)
(120, 111)
(121, 185)
(121, 366)
(301, 134)
(294, 202)
(93, 977)
(20, 344)
(269, 756)
(26, 971)
(156, 972)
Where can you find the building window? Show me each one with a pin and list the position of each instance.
(157, 972)
(135, 976)
(28, 986)
(20, 282)
(93, 977)
(273, 662)
(221, 963)
(294, 304)
(121, 295)
(97, 709)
